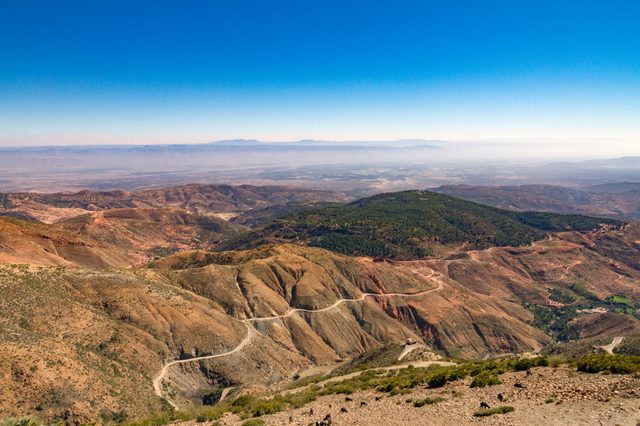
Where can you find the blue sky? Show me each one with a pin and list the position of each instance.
(83, 72)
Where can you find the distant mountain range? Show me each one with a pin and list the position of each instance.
(613, 199)
(394, 144)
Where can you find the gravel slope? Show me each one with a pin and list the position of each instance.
(549, 397)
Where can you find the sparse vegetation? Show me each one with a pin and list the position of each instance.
(106, 336)
(119, 416)
(28, 421)
(253, 422)
(524, 364)
(629, 346)
(616, 364)
(427, 401)
(396, 382)
(492, 411)
(484, 379)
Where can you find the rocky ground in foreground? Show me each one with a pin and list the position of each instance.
(548, 396)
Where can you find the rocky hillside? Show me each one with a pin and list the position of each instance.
(555, 396)
(94, 324)
(116, 237)
(50, 207)
(79, 302)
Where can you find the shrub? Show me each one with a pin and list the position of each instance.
(400, 392)
(491, 411)
(524, 364)
(160, 419)
(243, 401)
(207, 414)
(484, 379)
(299, 399)
(427, 401)
(28, 421)
(437, 380)
(267, 406)
(343, 388)
(253, 422)
(616, 364)
(387, 387)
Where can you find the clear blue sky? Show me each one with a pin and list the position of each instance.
(195, 71)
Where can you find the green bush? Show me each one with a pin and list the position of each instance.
(299, 399)
(28, 421)
(524, 364)
(212, 413)
(160, 419)
(484, 379)
(253, 422)
(243, 401)
(491, 411)
(616, 364)
(427, 401)
(269, 406)
(437, 380)
(342, 388)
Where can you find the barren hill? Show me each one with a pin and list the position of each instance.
(132, 322)
(116, 237)
(49, 207)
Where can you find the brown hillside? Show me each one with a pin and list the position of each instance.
(108, 332)
(51, 207)
(112, 238)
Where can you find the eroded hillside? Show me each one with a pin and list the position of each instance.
(131, 340)
(115, 329)
(215, 199)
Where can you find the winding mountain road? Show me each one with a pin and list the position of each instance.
(157, 381)
(251, 331)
